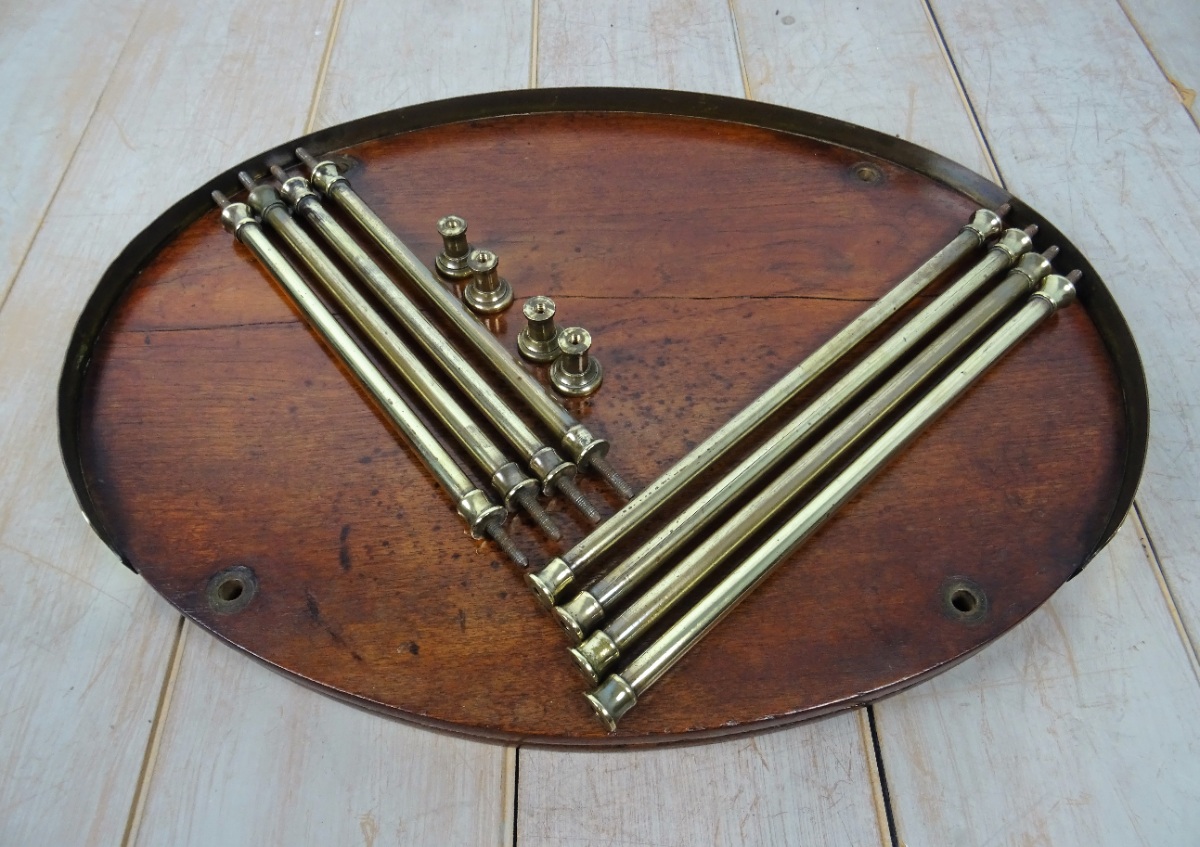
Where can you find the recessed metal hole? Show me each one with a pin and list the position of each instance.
(232, 589)
(866, 172)
(964, 599)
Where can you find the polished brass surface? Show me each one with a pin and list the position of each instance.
(581, 614)
(555, 473)
(482, 516)
(487, 293)
(586, 449)
(560, 573)
(619, 692)
(516, 488)
(575, 373)
(538, 341)
(452, 261)
(602, 648)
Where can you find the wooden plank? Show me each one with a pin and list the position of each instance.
(809, 784)
(432, 51)
(876, 64)
(47, 104)
(1085, 127)
(686, 45)
(249, 757)
(86, 642)
(823, 769)
(1081, 726)
(351, 775)
(1171, 30)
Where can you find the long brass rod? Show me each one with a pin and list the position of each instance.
(512, 484)
(555, 473)
(585, 448)
(619, 692)
(483, 518)
(553, 579)
(598, 652)
(584, 611)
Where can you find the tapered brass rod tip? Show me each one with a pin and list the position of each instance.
(496, 532)
(1074, 276)
(1031, 230)
(1050, 253)
(609, 474)
(529, 502)
(306, 157)
(246, 180)
(1003, 211)
(569, 490)
(279, 173)
(220, 199)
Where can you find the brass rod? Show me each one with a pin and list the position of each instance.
(552, 580)
(555, 473)
(603, 647)
(619, 692)
(584, 448)
(512, 484)
(583, 612)
(483, 518)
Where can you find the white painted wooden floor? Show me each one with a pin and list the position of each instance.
(121, 725)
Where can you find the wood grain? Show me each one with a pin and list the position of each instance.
(324, 773)
(86, 644)
(1114, 160)
(876, 64)
(215, 443)
(46, 106)
(677, 44)
(1089, 719)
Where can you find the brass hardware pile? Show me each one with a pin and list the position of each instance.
(295, 197)
(729, 536)
(609, 618)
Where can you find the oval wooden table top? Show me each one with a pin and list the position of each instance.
(211, 428)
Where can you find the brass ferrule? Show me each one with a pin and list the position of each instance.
(986, 225)
(509, 480)
(325, 175)
(552, 580)
(1057, 290)
(1015, 243)
(296, 189)
(595, 655)
(235, 216)
(611, 700)
(583, 446)
(548, 466)
(1034, 267)
(262, 198)
(579, 615)
(478, 510)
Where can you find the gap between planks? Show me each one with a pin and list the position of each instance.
(335, 23)
(737, 48)
(174, 660)
(10, 283)
(1155, 565)
(1174, 83)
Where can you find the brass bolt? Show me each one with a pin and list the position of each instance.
(452, 261)
(575, 373)
(538, 341)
